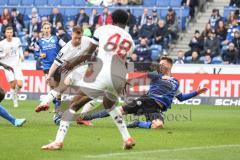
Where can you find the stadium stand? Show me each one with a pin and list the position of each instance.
(70, 8)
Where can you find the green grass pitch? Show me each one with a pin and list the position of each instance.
(190, 133)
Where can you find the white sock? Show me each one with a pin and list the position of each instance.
(89, 106)
(62, 131)
(13, 93)
(117, 117)
(49, 98)
(17, 88)
(64, 125)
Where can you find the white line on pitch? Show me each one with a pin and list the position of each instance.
(109, 155)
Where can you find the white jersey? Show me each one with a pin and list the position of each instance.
(112, 40)
(108, 73)
(10, 52)
(69, 51)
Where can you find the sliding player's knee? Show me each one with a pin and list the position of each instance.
(2, 94)
(157, 124)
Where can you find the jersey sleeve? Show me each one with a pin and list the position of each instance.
(153, 75)
(59, 60)
(61, 42)
(95, 38)
(182, 97)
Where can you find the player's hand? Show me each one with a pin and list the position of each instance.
(42, 55)
(22, 59)
(202, 90)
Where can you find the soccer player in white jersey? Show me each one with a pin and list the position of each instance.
(108, 76)
(72, 49)
(11, 53)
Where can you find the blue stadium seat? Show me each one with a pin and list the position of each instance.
(156, 52)
(99, 10)
(3, 3)
(71, 11)
(217, 60)
(88, 10)
(28, 11)
(186, 12)
(27, 2)
(137, 12)
(40, 3)
(175, 3)
(67, 2)
(13, 2)
(188, 59)
(21, 10)
(54, 2)
(178, 11)
(163, 13)
(201, 59)
(163, 3)
(44, 11)
(80, 2)
(149, 3)
(62, 10)
(227, 10)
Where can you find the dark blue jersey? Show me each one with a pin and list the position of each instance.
(162, 90)
(49, 46)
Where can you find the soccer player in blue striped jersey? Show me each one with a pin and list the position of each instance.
(163, 88)
(48, 48)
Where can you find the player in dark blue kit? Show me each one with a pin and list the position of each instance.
(3, 112)
(49, 46)
(163, 88)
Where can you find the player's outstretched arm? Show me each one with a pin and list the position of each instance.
(182, 97)
(86, 55)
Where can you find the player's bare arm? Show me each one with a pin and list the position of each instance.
(87, 54)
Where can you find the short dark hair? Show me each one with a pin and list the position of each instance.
(120, 16)
(77, 29)
(2, 94)
(168, 59)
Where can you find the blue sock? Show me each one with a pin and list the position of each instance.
(56, 103)
(143, 124)
(4, 113)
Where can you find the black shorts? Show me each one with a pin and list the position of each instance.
(142, 106)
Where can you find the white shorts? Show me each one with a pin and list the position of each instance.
(16, 75)
(105, 80)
